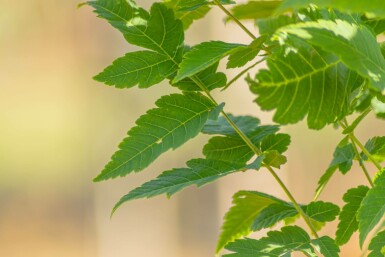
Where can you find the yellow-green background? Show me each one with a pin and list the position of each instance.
(58, 128)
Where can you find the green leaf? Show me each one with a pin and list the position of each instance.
(191, 4)
(199, 172)
(209, 77)
(377, 25)
(304, 80)
(177, 119)
(322, 211)
(278, 142)
(244, 54)
(372, 208)
(277, 243)
(376, 7)
(348, 223)
(376, 147)
(256, 164)
(274, 158)
(342, 159)
(269, 26)
(203, 56)
(273, 214)
(326, 246)
(158, 31)
(123, 15)
(187, 16)
(354, 44)
(238, 220)
(376, 245)
(254, 10)
(318, 212)
(143, 68)
(234, 148)
(221, 126)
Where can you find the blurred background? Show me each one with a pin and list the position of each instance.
(58, 128)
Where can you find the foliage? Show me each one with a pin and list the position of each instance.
(324, 62)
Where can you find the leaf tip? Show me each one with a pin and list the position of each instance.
(98, 178)
(79, 5)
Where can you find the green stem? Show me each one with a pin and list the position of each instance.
(365, 151)
(344, 124)
(258, 152)
(246, 139)
(242, 73)
(218, 3)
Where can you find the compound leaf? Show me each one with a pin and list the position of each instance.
(177, 119)
(354, 44)
(372, 208)
(348, 223)
(238, 220)
(326, 246)
(203, 56)
(198, 172)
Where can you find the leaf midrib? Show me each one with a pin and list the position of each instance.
(136, 70)
(300, 78)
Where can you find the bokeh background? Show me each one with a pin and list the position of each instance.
(58, 128)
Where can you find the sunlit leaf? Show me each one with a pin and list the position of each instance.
(326, 246)
(238, 220)
(354, 44)
(277, 243)
(304, 81)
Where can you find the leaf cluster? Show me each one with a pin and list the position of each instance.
(323, 63)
